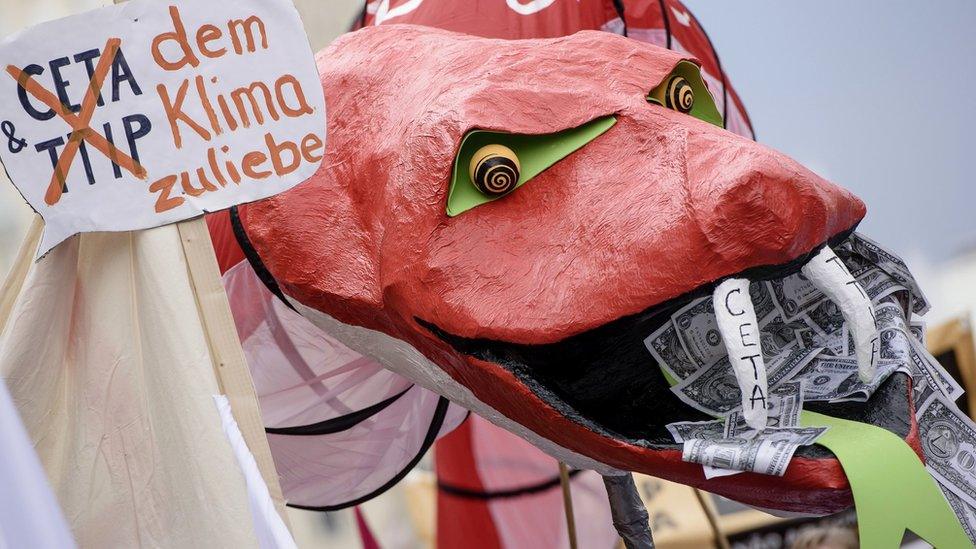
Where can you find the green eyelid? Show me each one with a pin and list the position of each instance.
(535, 154)
(704, 107)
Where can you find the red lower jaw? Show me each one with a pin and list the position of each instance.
(810, 486)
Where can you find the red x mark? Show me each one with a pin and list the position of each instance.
(80, 123)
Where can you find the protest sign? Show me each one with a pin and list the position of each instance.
(152, 112)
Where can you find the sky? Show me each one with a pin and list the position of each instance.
(877, 96)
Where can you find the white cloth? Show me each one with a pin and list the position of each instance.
(268, 526)
(105, 358)
(29, 513)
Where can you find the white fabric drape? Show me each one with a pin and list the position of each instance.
(29, 513)
(303, 377)
(270, 529)
(105, 358)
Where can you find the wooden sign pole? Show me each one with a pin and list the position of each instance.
(230, 366)
(568, 504)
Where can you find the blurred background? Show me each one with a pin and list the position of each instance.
(874, 95)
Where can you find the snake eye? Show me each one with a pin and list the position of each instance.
(494, 169)
(679, 95)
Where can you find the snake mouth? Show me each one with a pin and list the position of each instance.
(606, 380)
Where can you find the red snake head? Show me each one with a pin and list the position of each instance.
(531, 309)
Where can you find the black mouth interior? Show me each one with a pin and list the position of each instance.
(606, 380)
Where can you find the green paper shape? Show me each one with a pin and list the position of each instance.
(704, 107)
(535, 154)
(892, 490)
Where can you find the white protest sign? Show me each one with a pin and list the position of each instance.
(151, 112)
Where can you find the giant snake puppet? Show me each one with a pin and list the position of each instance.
(503, 223)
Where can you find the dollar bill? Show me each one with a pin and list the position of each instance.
(767, 453)
(794, 294)
(838, 344)
(698, 331)
(895, 344)
(776, 335)
(712, 389)
(856, 264)
(917, 328)
(893, 265)
(929, 378)
(965, 512)
(667, 350)
(836, 379)
(878, 284)
(948, 438)
(785, 405)
(762, 299)
(826, 317)
(889, 314)
(808, 338)
(715, 390)
(788, 365)
(687, 430)
(714, 472)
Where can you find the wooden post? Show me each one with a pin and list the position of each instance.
(230, 366)
(568, 504)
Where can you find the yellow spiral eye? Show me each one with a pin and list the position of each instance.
(494, 169)
(679, 95)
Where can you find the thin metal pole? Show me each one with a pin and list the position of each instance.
(720, 539)
(568, 504)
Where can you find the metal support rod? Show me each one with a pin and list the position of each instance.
(627, 510)
(568, 504)
(720, 540)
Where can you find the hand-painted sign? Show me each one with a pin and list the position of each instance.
(151, 112)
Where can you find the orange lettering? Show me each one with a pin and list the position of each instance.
(252, 160)
(247, 26)
(177, 35)
(310, 144)
(164, 187)
(275, 149)
(238, 97)
(193, 191)
(174, 113)
(207, 106)
(205, 35)
(303, 106)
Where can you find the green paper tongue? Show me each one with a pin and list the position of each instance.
(892, 490)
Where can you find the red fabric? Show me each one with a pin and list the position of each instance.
(494, 18)
(470, 523)
(659, 205)
(225, 245)
(369, 542)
